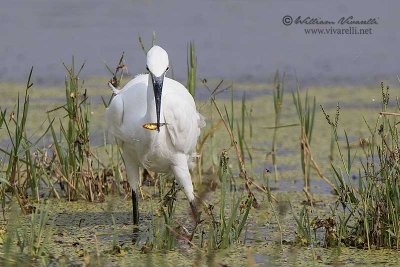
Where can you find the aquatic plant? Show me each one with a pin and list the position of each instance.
(23, 170)
(278, 93)
(191, 69)
(306, 114)
(74, 160)
(24, 243)
(370, 208)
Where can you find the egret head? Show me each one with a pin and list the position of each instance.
(157, 65)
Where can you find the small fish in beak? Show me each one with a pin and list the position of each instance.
(153, 126)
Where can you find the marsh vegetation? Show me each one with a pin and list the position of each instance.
(284, 175)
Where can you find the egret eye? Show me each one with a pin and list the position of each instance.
(167, 68)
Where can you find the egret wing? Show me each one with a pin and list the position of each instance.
(127, 107)
(115, 111)
(182, 120)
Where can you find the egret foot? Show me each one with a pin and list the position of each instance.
(135, 234)
(135, 209)
(195, 211)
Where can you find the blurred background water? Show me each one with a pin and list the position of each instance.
(242, 41)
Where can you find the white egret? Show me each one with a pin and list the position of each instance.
(155, 121)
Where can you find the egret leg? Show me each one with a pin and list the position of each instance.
(132, 174)
(195, 211)
(182, 176)
(135, 208)
(135, 213)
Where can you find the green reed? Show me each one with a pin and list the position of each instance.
(304, 233)
(23, 171)
(24, 243)
(306, 114)
(278, 93)
(191, 68)
(75, 160)
(246, 116)
(227, 229)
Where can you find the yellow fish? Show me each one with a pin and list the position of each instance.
(152, 126)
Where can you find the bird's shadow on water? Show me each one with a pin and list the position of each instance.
(88, 218)
(101, 222)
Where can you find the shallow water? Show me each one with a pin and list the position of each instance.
(235, 40)
(79, 230)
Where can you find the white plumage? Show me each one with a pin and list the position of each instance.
(171, 147)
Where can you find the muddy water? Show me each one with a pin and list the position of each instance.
(235, 40)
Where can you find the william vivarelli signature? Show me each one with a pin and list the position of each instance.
(350, 20)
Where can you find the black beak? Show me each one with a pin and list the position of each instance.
(157, 87)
